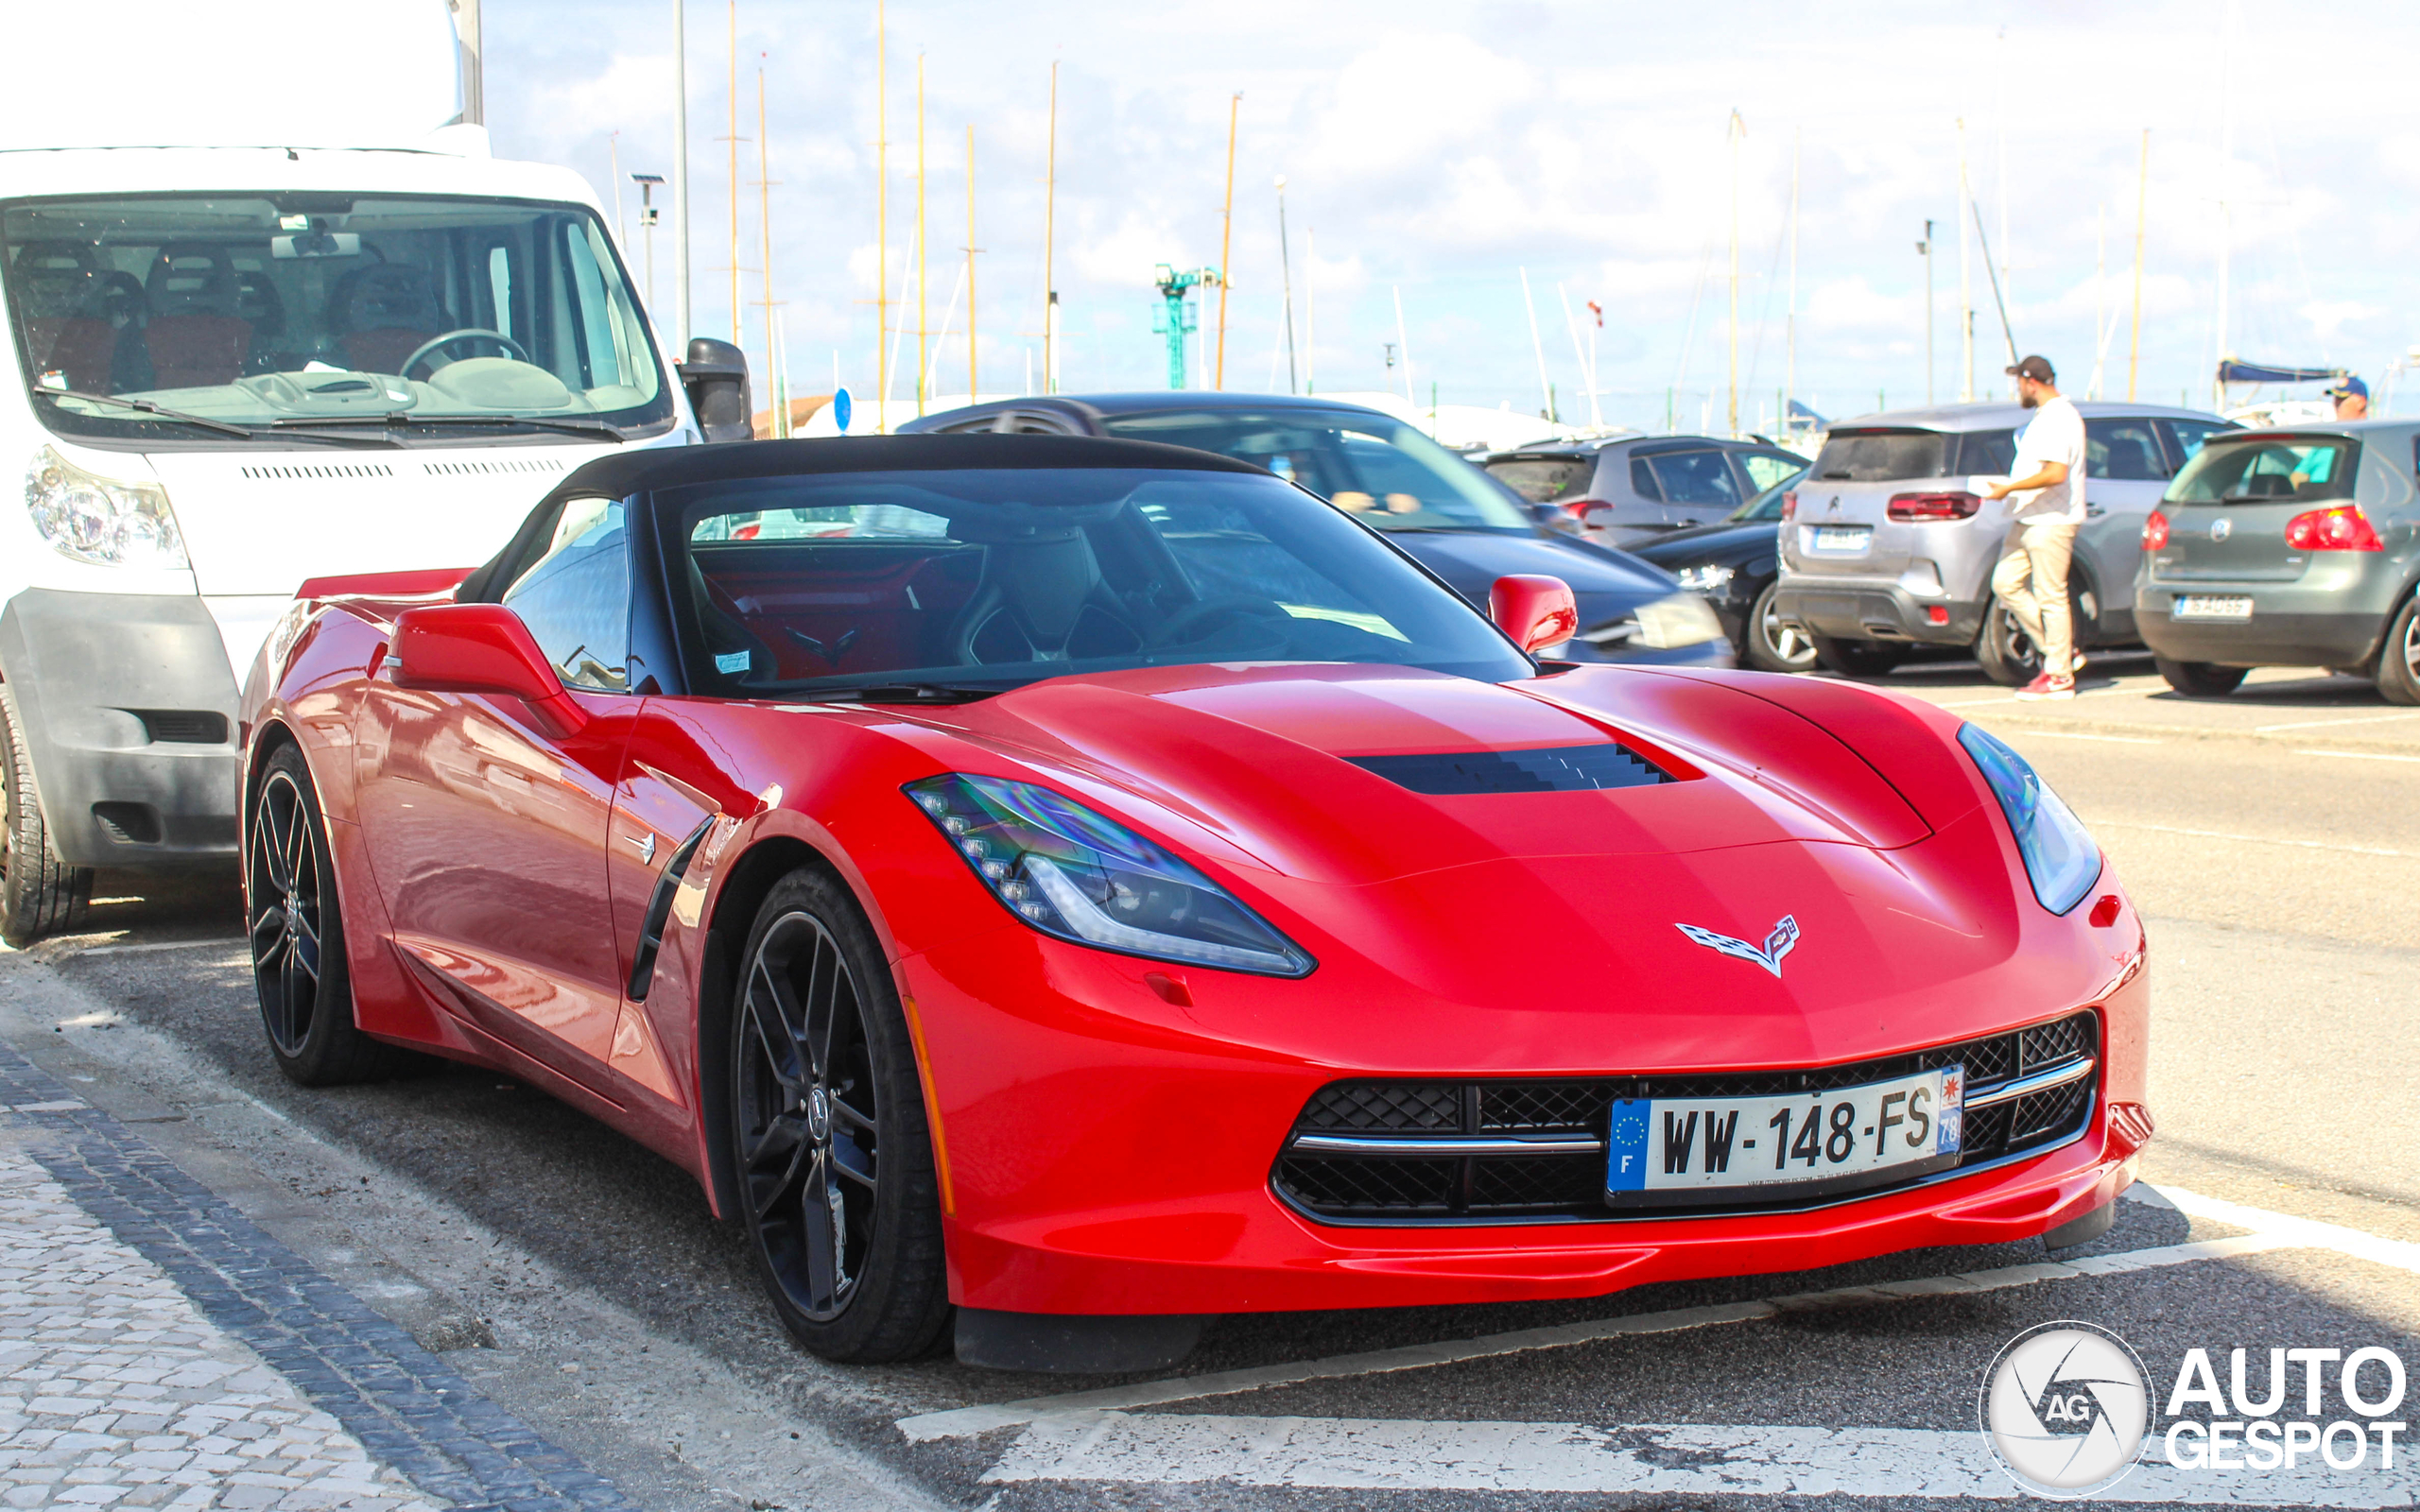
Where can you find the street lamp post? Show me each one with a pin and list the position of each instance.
(1924, 249)
(648, 215)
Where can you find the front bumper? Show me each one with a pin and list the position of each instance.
(1865, 608)
(2281, 632)
(128, 707)
(1102, 1154)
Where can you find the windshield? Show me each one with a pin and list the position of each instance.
(2266, 469)
(994, 577)
(1388, 472)
(323, 311)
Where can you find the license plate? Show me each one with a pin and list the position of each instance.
(1676, 1150)
(1848, 539)
(2212, 607)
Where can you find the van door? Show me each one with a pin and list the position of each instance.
(2125, 472)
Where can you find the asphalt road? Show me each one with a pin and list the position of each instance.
(578, 1280)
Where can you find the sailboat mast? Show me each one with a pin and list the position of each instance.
(1226, 242)
(1789, 371)
(924, 303)
(1310, 311)
(776, 401)
(1965, 276)
(681, 170)
(1546, 395)
(2142, 207)
(881, 230)
(735, 172)
(1739, 130)
(973, 390)
(2226, 212)
(1049, 230)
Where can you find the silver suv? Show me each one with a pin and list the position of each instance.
(1887, 548)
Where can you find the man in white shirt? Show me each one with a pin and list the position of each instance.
(2045, 493)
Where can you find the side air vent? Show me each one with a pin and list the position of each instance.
(514, 464)
(184, 727)
(319, 471)
(1555, 769)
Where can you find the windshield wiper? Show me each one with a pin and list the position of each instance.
(395, 418)
(162, 411)
(905, 693)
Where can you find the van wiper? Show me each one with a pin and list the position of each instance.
(161, 411)
(395, 418)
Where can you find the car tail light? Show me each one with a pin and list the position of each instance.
(1953, 506)
(2343, 528)
(1578, 508)
(2155, 531)
(1789, 503)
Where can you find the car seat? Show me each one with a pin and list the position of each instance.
(382, 314)
(2130, 460)
(195, 336)
(59, 284)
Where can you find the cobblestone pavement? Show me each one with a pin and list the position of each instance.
(117, 1392)
(158, 1350)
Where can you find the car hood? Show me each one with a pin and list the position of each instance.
(1556, 904)
(1726, 543)
(1607, 583)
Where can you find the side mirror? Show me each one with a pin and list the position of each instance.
(1534, 610)
(715, 376)
(479, 648)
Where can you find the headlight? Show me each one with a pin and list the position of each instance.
(1706, 578)
(2059, 855)
(1067, 872)
(1679, 620)
(100, 520)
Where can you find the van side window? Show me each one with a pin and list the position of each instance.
(1696, 477)
(1642, 480)
(2186, 436)
(575, 598)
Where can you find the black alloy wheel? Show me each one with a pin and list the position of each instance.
(2005, 649)
(40, 894)
(2204, 679)
(829, 1140)
(2399, 659)
(1858, 659)
(1772, 643)
(297, 933)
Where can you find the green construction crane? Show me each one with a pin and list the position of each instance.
(1176, 318)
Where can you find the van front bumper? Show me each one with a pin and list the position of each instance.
(1864, 609)
(128, 707)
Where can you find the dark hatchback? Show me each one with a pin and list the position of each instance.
(1444, 513)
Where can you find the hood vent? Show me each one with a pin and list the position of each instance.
(1555, 769)
(509, 464)
(318, 472)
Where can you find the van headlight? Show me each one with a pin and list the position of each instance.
(1069, 872)
(1682, 619)
(100, 520)
(2060, 859)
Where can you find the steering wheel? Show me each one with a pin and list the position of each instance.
(1212, 609)
(469, 332)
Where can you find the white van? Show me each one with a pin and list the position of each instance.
(342, 340)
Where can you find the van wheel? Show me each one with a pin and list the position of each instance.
(2202, 679)
(1771, 642)
(1858, 659)
(2399, 661)
(40, 894)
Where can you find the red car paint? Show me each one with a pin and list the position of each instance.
(1105, 1125)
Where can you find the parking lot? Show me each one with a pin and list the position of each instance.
(2271, 840)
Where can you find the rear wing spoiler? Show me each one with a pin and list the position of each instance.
(426, 583)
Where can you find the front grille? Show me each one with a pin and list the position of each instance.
(1429, 1186)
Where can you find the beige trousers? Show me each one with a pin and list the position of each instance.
(2032, 579)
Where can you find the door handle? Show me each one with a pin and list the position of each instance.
(2093, 511)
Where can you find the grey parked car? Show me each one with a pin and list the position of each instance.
(1629, 490)
(1889, 548)
(2288, 548)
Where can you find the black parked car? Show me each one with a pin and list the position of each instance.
(1444, 513)
(1734, 564)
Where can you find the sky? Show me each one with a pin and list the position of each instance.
(1433, 154)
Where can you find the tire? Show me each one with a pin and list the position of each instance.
(1858, 659)
(40, 894)
(1770, 645)
(2201, 680)
(827, 1120)
(2399, 659)
(296, 928)
(2007, 652)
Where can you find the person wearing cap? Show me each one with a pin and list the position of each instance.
(2045, 490)
(2352, 398)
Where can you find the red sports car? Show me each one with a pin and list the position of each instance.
(1059, 890)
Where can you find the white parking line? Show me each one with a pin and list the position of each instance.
(2315, 724)
(2361, 755)
(2247, 839)
(2078, 734)
(1692, 1459)
(966, 1421)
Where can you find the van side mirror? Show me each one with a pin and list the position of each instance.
(1535, 611)
(715, 376)
(479, 648)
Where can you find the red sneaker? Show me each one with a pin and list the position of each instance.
(2049, 685)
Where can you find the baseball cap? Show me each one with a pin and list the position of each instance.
(2349, 388)
(2037, 368)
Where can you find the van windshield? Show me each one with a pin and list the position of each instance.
(410, 318)
(2267, 469)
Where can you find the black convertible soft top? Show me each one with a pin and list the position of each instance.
(623, 473)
